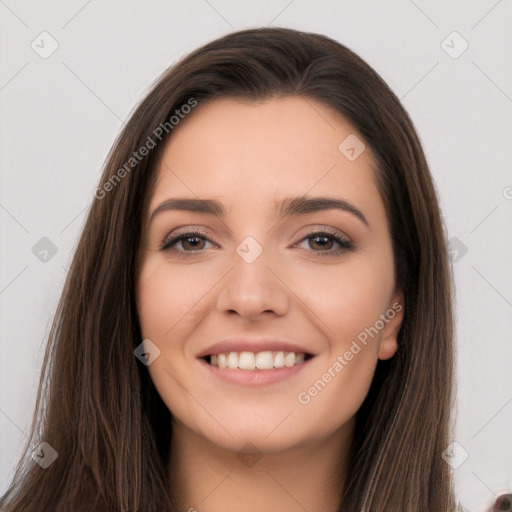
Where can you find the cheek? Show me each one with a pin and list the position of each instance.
(167, 304)
(171, 304)
(349, 304)
(168, 299)
(347, 299)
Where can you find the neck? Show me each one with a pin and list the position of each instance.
(207, 478)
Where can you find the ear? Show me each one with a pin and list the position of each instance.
(392, 319)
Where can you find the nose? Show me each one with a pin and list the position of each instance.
(253, 288)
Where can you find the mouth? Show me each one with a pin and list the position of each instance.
(251, 361)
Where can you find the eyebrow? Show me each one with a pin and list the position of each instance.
(296, 205)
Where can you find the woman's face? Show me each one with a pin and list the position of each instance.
(265, 272)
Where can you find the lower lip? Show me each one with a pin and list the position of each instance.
(254, 377)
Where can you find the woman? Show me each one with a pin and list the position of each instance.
(212, 349)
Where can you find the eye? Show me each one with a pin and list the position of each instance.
(324, 241)
(193, 240)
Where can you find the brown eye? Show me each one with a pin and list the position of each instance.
(195, 242)
(190, 243)
(321, 242)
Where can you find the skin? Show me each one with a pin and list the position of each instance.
(246, 155)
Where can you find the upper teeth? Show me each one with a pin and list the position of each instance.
(259, 360)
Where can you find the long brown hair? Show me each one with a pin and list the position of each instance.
(97, 406)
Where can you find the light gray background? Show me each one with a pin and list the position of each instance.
(61, 114)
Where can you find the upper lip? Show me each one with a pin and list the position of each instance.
(253, 345)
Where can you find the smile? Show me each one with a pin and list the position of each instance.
(266, 360)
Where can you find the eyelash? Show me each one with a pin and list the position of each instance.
(167, 244)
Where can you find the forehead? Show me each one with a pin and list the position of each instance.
(254, 151)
